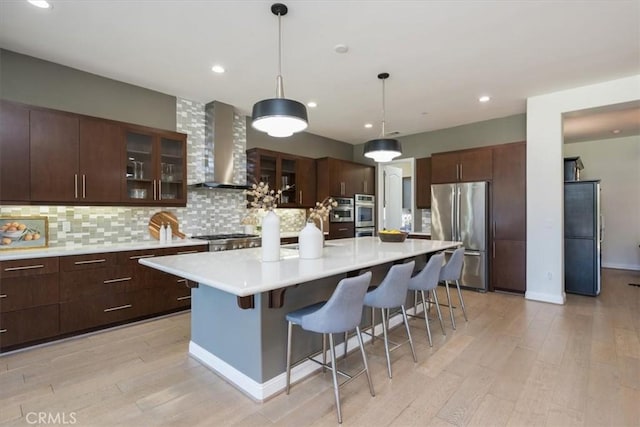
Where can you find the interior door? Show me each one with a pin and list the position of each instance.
(392, 197)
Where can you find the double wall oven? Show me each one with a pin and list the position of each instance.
(365, 215)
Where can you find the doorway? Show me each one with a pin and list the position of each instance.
(396, 198)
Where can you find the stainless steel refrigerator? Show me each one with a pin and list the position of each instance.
(582, 237)
(460, 212)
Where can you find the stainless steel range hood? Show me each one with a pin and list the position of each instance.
(219, 133)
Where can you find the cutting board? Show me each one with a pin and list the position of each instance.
(163, 217)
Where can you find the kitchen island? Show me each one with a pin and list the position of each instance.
(238, 307)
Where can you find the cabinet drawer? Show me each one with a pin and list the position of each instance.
(28, 267)
(86, 262)
(17, 293)
(132, 257)
(98, 310)
(32, 324)
(176, 295)
(186, 250)
(77, 284)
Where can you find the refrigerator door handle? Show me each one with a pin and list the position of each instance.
(466, 252)
(454, 231)
(458, 198)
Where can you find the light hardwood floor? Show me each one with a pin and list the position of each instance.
(515, 363)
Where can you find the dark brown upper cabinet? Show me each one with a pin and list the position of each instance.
(423, 183)
(461, 166)
(15, 177)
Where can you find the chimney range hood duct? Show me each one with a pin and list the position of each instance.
(219, 130)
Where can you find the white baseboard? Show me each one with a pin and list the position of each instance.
(262, 391)
(618, 266)
(545, 297)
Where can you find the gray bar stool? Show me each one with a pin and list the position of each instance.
(341, 313)
(392, 293)
(427, 281)
(451, 272)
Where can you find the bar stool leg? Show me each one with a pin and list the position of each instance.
(434, 292)
(373, 324)
(336, 390)
(406, 325)
(364, 361)
(426, 318)
(289, 331)
(324, 353)
(453, 321)
(464, 311)
(346, 340)
(386, 342)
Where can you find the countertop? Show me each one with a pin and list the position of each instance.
(53, 251)
(242, 273)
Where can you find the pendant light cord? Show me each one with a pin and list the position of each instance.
(383, 110)
(279, 84)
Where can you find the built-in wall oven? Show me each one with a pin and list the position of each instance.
(343, 212)
(365, 210)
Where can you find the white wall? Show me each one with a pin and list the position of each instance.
(545, 230)
(616, 162)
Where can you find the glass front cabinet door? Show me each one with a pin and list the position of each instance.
(156, 168)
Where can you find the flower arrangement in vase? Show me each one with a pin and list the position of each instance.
(267, 199)
(311, 239)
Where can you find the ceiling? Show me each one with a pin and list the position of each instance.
(611, 121)
(442, 55)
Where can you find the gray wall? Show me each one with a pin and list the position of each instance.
(489, 132)
(37, 82)
(301, 144)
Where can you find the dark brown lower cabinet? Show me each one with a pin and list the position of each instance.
(341, 230)
(104, 309)
(31, 324)
(508, 266)
(88, 292)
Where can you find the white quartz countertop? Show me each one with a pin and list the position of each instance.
(53, 251)
(242, 273)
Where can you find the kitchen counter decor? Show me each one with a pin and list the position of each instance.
(267, 199)
(311, 239)
(24, 232)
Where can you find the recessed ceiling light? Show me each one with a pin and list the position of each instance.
(43, 4)
(484, 98)
(341, 48)
(615, 131)
(368, 125)
(312, 104)
(219, 69)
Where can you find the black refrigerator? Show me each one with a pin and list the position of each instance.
(582, 237)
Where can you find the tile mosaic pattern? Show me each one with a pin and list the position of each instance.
(426, 220)
(190, 120)
(208, 211)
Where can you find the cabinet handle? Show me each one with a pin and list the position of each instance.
(159, 189)
(122, 279)
(154, 189)
(460, 171)
(141, 256)
(342, 188)
(91, 261)
(28, 267)
(343, 229)
(84, 186)
(300, 197)
(75, 185)
(494, 249)
(120, 307)
(2, 331)
(3, 296)
(181, 281)
(365, 186)
(183, 298)
(187, 252)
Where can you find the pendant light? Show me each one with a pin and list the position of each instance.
(382, 149)
(279, 117)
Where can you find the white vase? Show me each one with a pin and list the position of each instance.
(271, 237)
(310, 242)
